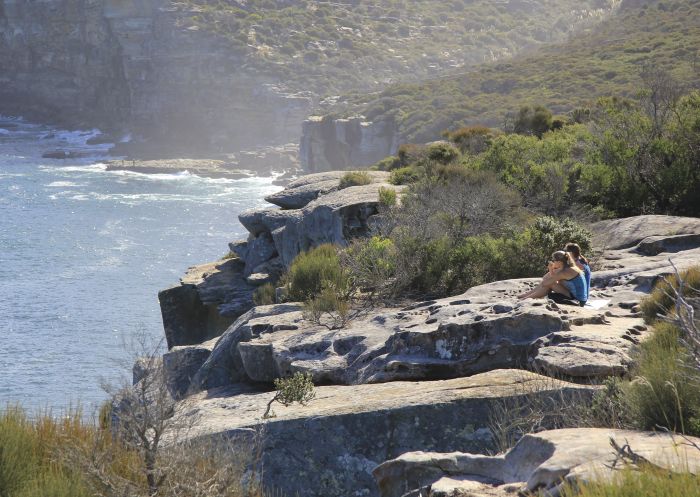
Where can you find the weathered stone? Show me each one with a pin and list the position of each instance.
(629, 231)
(258, 221)
(205, 168)
(333, 218)
(541, 462)
(224, 365)
(180, 364)
(260, 249)
(329, 447)
(654, 245)
(330, 144)
(300, 192)
(207, 300)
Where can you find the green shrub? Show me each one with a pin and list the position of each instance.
(329, 308)
(355, 178)
(547, 235)
(387, 164)
(662, 299)
(665, 390)
(387, 196)
(27, 456)
(311, 271)
(531, 120)
(372, 263)
(296, 388)
(403, 176)
(472, 139)
(265, 294)
(442, 152)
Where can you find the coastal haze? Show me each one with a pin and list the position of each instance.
(83, 254)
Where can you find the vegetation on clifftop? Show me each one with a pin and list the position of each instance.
(331, 48)
(605, 60)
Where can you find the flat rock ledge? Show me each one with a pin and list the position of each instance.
(330, 447)
(206, 168)
(539, 463)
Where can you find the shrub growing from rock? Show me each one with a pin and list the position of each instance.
(665, 390)
(297, 388)
(387, 197)
(355, 178)
(264, 295)
(661, 301)
(311, 271)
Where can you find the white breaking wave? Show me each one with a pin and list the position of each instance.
(62, 184)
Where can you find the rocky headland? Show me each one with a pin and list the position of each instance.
(423, 377)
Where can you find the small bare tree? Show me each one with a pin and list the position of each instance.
(147, 445)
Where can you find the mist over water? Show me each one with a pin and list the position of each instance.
(83, 254)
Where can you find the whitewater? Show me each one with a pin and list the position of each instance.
(83, 254)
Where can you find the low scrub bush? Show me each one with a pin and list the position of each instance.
(665, 391)
(629, 482)
(311, 271)
(403, 176)
(296, 388)
(265, 294)
(355, 178)
(387, 164)
(372, 263)
(546, 235)
(661, 300)
(387, 197)
(442, 152)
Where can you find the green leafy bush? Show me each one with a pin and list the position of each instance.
(472, 139)
(297, 388)
(387, 164)
(442, 152)
(403, 176)
(355, 178)
(372, 263)
(387, 196)
(311, 271)
(533, 120)
(547, 235)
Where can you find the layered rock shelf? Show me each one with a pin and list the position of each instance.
(423, 376)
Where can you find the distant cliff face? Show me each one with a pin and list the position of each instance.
(328, 144)
(130, 65)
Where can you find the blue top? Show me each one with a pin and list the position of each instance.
(578, 287)
(587, 275)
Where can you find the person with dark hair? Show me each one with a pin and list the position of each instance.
(575, 250)
(563, 279)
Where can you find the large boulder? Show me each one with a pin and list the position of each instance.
(627, 232)
(329, 447)
(541, 463)
(207, 300)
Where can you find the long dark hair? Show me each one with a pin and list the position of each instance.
(575, 251)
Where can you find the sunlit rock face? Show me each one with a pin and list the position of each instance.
(130, 66)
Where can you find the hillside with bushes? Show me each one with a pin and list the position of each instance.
(364, 45)
(605, 60)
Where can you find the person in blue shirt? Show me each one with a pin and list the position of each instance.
(581, 262)
(563, 277)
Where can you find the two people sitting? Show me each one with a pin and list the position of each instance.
(568, 277)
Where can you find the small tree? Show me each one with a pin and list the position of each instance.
(297, 388)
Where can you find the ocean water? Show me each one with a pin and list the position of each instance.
(83, 254)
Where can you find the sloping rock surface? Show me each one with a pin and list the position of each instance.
(329, 447)
(539, 462)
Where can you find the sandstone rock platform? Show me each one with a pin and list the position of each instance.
(541, 462)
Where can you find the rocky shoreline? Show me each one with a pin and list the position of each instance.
(420, 377)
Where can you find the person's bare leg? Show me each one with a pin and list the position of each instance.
(559, 288)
